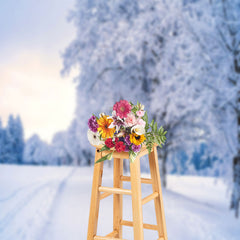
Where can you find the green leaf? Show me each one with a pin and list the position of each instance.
(145, 118)
(155, 127)
(134, 109)
(132, 156)
(107, 157)
(151, 124)
(104, 148)
(158, 140)
(149, 146)
(160, 130)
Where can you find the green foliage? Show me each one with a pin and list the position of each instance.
(136, 107)
(145, 118)
(107, 157)
(104, 148)
(155, 135)
(132, 155)
(149, 141)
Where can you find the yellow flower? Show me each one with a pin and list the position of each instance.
(103, 128)
(137, 139)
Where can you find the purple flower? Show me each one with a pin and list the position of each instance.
(126, 148)
(136, 148)
(92, 124)
(127, 140)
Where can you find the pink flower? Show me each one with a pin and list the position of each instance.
(141, 122)
(140, 113)
(122, 108)
(130, 120)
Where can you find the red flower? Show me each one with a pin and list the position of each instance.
(122, 108)
(109, 143)
(120, 147)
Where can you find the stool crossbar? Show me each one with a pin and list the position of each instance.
(100, 192)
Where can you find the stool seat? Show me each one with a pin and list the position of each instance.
(100, 192)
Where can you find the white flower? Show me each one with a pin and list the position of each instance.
(116, 119)
(120, 134)
(138, 129)
(94, 138)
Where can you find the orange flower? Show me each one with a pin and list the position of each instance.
(103, 128)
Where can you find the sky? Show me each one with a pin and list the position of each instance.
(33, 35)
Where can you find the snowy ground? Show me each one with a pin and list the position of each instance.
(43, 203)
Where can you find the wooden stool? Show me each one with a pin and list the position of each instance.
(135, 191)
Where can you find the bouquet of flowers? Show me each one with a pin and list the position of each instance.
(126, 130)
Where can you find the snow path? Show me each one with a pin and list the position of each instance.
(63, 210)
(57, 205)
(51, 203)
(26, 200)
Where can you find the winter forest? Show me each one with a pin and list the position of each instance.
(180, 58)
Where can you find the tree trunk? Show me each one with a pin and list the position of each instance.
(236, 185)
(162, 158)
(236, 161)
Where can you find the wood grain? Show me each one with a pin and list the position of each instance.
(95, 197)
(158, 201)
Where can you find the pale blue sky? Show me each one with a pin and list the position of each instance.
(32, 36)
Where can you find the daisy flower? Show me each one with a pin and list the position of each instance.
(94, 138)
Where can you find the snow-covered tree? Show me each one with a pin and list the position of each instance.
(215, 27)
(19, 139)
(146, 51)
(2, 135)
(61, 156)
(228, 97)
(93, 51)
(72, 143)
(9, 145)
(37, 152)
(13, 141)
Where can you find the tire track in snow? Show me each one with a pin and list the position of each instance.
(54, 205)
(17, 191)
(38, 214)
(21, 205)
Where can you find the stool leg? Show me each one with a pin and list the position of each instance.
(136, 199)
(117, 198)
(158, 202)
(95, 197)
